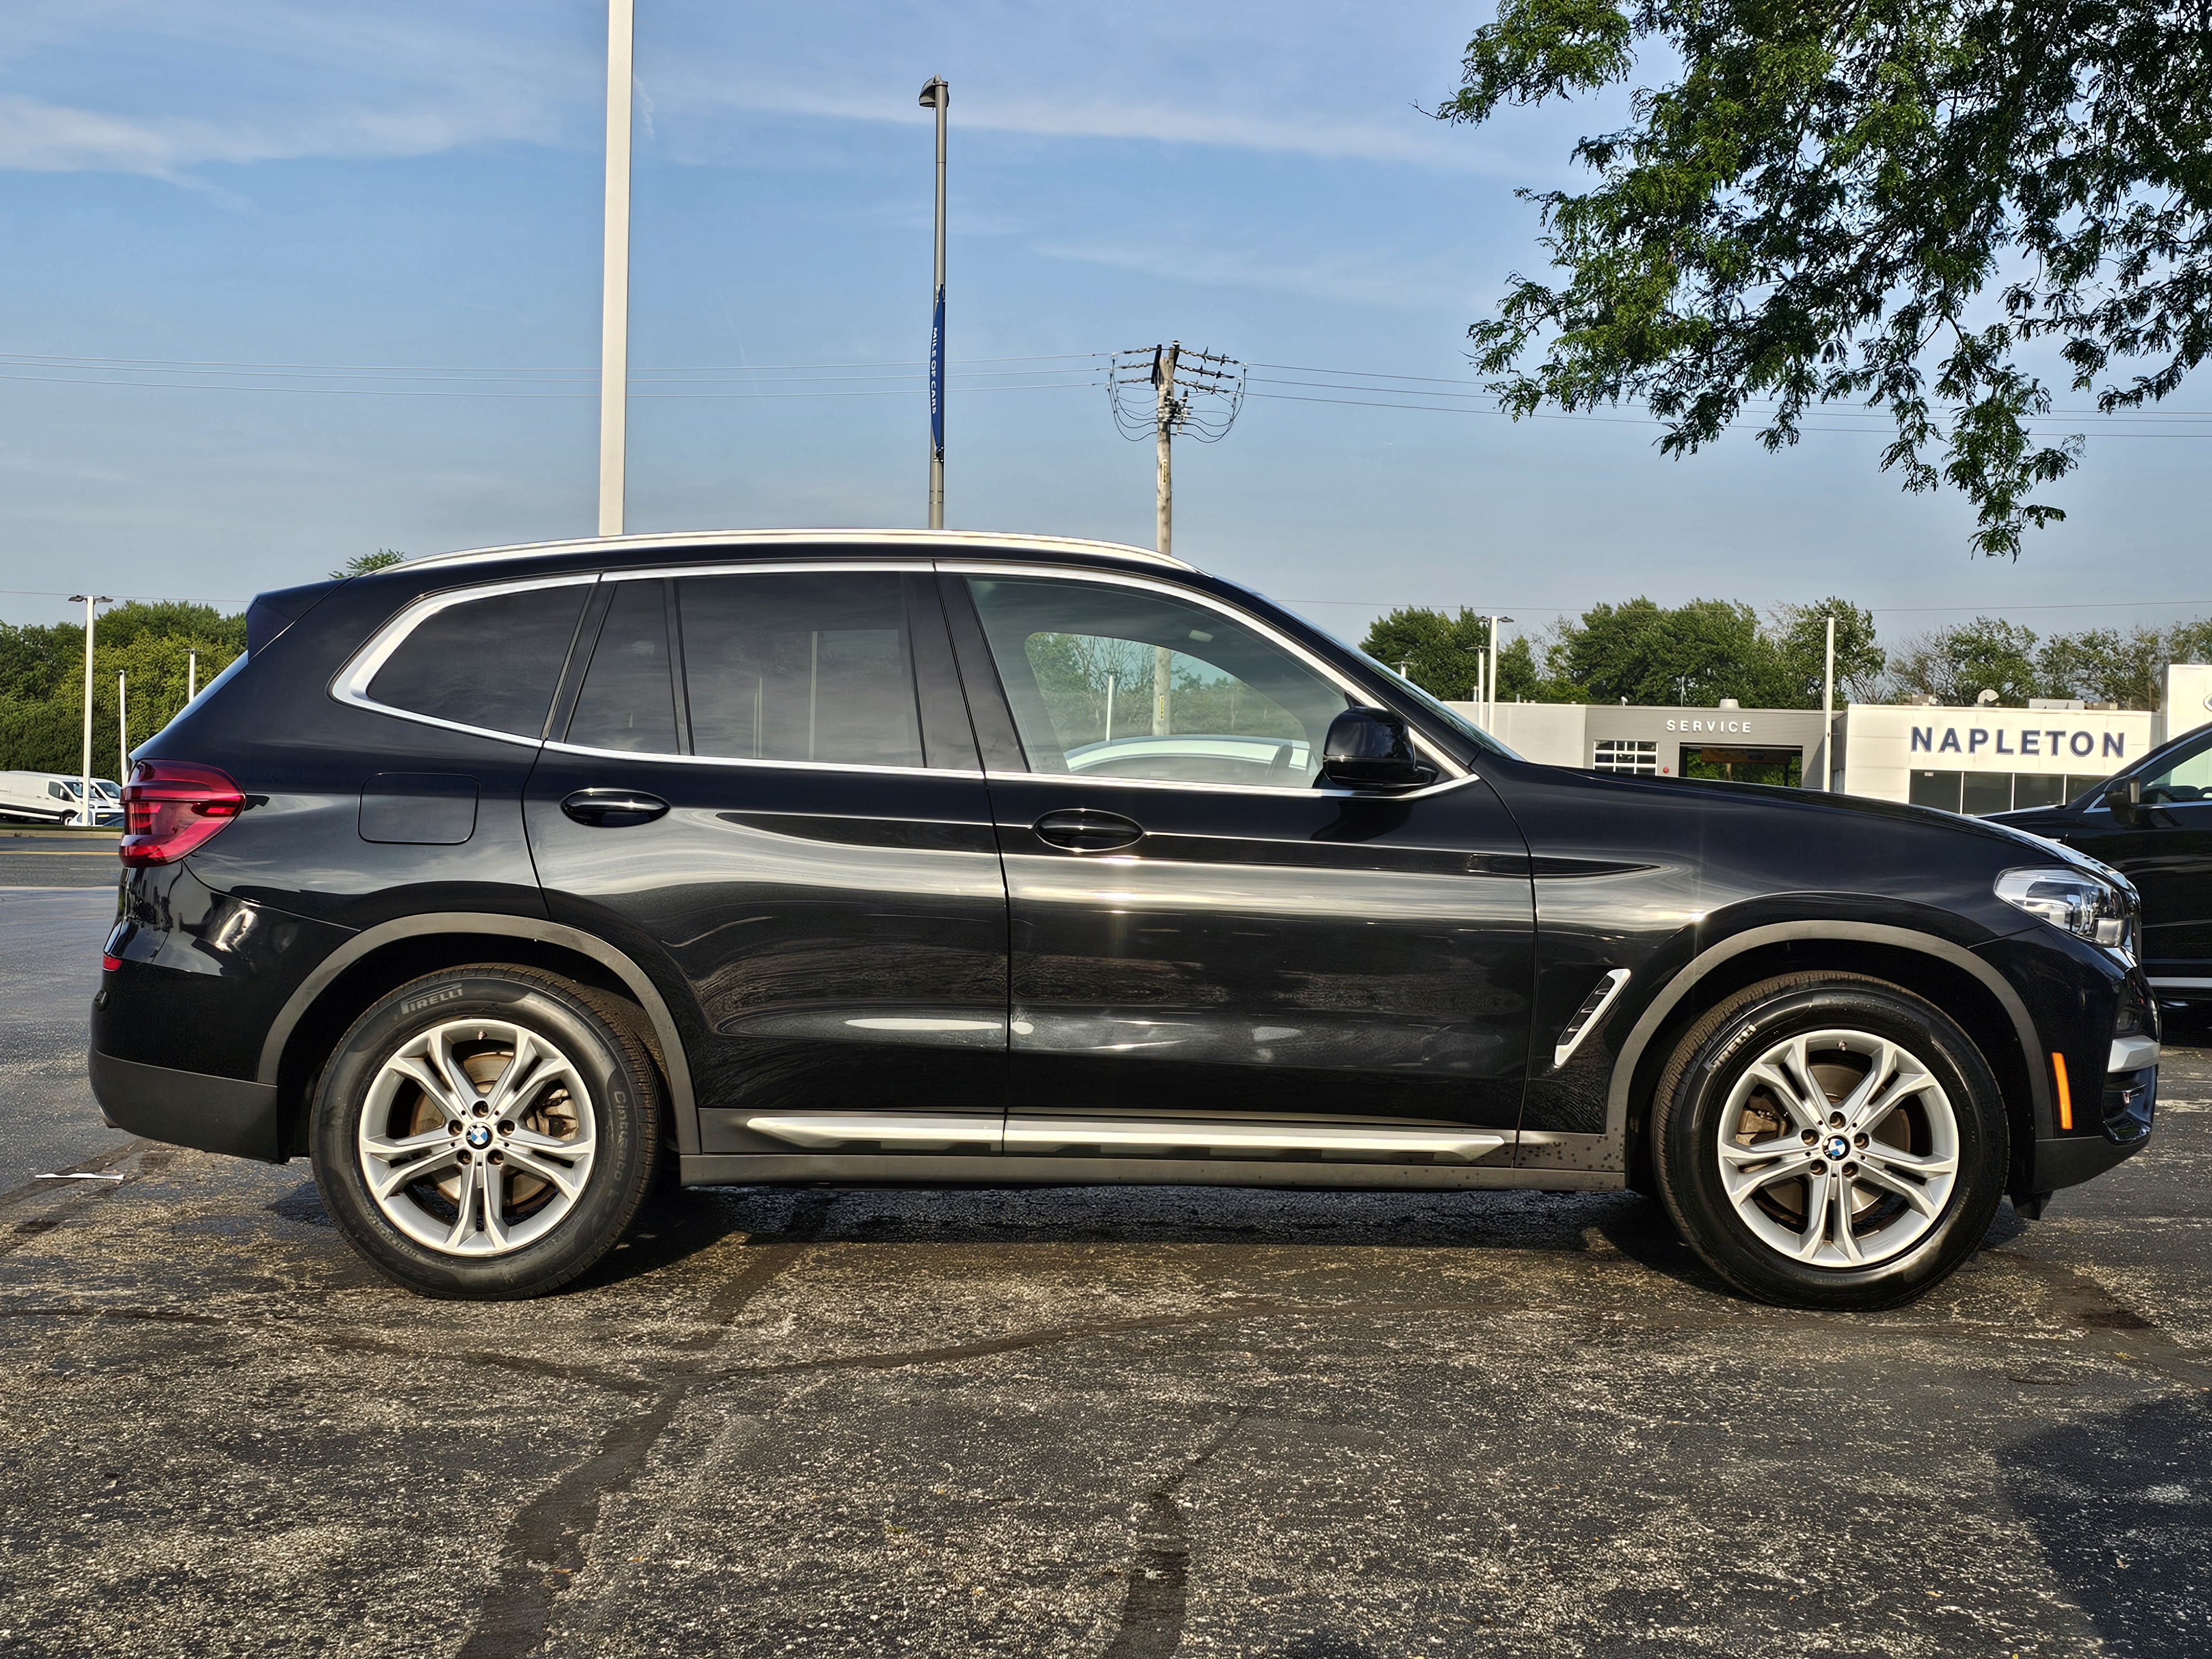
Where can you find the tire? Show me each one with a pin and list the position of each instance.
(1863, 1198)
(484, 1195)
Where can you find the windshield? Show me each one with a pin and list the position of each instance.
(1456, 721)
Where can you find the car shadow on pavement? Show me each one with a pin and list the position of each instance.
(2121, 1505)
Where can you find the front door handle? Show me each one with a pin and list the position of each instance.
(613, 809)
(1087, 829)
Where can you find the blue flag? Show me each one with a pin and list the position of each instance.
(936, 379)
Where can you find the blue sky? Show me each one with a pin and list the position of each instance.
(413, 187)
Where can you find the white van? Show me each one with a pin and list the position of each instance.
(50, 797)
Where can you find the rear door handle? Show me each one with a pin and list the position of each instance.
(1087, 829)
(613, 809)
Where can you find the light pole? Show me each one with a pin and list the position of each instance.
(84, 781)
(614, 283)
(1828, 707)
(937, 95)
(1490, 725)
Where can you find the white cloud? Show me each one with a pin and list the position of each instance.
(1365, 278)
(1416, 139)
(36, 137)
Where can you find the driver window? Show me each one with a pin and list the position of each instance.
(2188, 778)
(1116, 682)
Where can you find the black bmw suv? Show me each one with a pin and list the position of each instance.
(500, 883)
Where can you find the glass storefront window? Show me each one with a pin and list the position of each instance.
(1937, 789)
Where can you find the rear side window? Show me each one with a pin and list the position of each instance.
(492, 662)
(800, 666)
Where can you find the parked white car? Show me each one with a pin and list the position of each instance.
(50, 797)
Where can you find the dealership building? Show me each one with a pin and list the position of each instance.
(1976, 760)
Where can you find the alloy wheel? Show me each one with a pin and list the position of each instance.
(478, 1137)
(1838, 1148)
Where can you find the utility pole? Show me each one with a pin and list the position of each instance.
(1828, 708)
(938, 95)
(191, 675)
(122, 733)
(84, 781)
(1163, 373)
(1197, 392)
(1490, 721)
(614, 283)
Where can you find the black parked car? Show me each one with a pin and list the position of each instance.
(497, 884)
(2153, 822)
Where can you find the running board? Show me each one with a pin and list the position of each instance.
(918, 1132)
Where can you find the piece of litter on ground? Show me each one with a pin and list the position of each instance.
(73, 1175)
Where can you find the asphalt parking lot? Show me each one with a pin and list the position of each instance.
(1120, 1423)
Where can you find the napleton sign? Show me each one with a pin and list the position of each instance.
(2041, 741)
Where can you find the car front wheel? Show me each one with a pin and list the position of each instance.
(1829, 1140)
(486, 1132)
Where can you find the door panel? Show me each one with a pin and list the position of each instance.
(1198, 932)
(1277, 955)
(841, 929)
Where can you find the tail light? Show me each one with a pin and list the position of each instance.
(170, 807)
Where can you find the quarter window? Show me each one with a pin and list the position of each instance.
(805, 666)
(1108, 681)
(491, 662)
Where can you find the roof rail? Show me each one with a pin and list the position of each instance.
(952, 540)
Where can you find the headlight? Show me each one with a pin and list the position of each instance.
(2075, 900)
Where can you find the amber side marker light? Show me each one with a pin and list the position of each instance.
(2065, 1094)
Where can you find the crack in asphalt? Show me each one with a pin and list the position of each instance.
(1160, 1580)
(549, 1538)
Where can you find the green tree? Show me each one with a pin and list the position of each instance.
(1813, 202)
(42, 680)
(1697, 653)
(362, 563)
(2103, 665)
(1956, 664)
(1800, 644)
(1439, 651)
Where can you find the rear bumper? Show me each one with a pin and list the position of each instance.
(188, 1109)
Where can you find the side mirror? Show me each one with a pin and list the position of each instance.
(1371, 749)
(2123, 798)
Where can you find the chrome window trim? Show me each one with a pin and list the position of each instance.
(1326, 792)
(1452, 771)
(657, 755)
(351, 683)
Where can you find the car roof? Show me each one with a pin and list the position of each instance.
(916, 541)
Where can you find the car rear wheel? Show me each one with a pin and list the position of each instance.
(1829, 1140)
(486, 1132)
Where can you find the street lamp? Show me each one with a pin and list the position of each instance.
(937, 95)
(614, 282)
(89, 600)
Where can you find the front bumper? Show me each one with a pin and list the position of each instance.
(188, 1109)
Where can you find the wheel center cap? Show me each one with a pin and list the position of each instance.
(1837, 1147)
(479, 1136)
